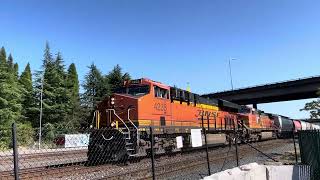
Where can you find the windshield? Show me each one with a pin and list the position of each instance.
(134, 90)
(244, 110)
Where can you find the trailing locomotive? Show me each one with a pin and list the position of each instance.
(122, 121)
(258, 124)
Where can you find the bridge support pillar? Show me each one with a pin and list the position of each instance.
(255, 106)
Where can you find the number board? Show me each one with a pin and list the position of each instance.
(135, 81)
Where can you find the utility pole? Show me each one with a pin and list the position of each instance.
(40, 120)
(230, 72)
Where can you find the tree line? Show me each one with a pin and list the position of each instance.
(58, 86)
(63, 107)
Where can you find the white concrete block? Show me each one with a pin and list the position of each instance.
(257, 172)
(280, 172)
(251, 171)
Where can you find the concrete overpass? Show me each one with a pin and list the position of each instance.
(281, 91)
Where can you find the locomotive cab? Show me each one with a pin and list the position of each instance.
(121, 108)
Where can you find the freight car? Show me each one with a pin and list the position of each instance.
(315, 127)
(284, 125)
(122, 120)
(307, 125)
(297, 125)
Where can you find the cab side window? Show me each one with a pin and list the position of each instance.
(161, 93)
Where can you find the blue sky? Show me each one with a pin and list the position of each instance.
(173, 41)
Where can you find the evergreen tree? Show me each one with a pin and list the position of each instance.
(29, 110)
(116, 78)
(97, 87)
(26, 78)
(126, 77)
(73, 89)
(12, 67)
(94, 87)
(3, 56)
(59, 64)
(10, 94)
(62, 88)
(73, 80)
(10, 62)
(47, 60)
(55, 100)
(47, 63)
(16, 70)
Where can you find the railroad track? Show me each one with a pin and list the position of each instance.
(43, 159)
(164, 166)
(43, 154)
(30, 172)
(188, 164)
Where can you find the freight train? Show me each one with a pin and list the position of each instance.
(122, 121)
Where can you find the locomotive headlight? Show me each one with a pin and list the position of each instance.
(112, 101)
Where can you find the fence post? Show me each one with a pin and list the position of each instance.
(294, 142)
(208, 122)
(236, 142)
(207, 153)
(237, 153)
(206, 143)
(15, 152)
(152, 154)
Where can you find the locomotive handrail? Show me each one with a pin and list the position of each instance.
(107, 139)
(130, 119)
(138, 137)
(120, 120)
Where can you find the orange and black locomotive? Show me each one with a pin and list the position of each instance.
(122, 120)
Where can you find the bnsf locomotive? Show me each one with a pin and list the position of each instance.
(122, 121)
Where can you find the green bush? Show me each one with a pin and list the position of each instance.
(25, 134)
(5, 138)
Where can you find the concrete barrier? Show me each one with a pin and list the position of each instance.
(245, 172)
(280, 172)
(254, 171)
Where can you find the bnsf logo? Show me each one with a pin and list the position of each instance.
(206, 113)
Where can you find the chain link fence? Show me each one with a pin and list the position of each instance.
(310, 147)
(86, 153)
(6, 152)
(196, 164)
